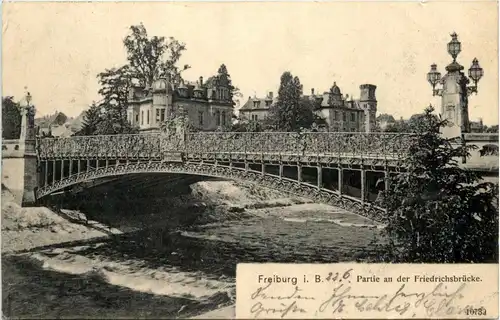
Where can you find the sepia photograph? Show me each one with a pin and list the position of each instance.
(148, 148)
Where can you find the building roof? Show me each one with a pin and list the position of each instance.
(335, 89)
(184, 90)
(344, 102)
(57, 118)
(256, 103)
(329, 99)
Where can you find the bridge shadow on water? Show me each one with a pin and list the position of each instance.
(132, 202)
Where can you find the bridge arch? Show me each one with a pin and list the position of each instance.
(271, 181)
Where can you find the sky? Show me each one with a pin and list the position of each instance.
(57, 49)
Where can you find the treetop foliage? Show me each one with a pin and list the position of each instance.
(11, 118)
(438, 211)
(291, 112)
(150, 58)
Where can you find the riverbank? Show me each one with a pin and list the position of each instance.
(162, 271)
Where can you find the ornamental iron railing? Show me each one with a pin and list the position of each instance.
(158, 145)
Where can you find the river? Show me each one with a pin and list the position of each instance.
(163, 270)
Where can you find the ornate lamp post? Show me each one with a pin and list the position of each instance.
(27, 118)
(455, 90)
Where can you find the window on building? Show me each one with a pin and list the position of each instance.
(335, 115)
(268, 103)
(217, 118)
(256, 104)
(158, 115)
(200, 118)
(142, 117)
(137, 118)
(353, 116)
(223, 118)
(162, 115)
(147, 118)
(344, 116)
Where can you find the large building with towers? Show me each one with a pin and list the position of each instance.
(341, 113)
(208, 106)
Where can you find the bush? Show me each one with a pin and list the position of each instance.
(437, 211)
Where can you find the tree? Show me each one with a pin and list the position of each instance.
(398, 126)
(436, 210)
(247, 126)
(151, 58)
(148, 59)
(492, 129)
(11, 118)
(237, 95)
(115, 85)
(91, 121)
(409, 126)
(416, 119)
(291, 111)
(384, 121)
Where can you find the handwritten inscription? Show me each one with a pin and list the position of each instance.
(439, 301)
(350, 294)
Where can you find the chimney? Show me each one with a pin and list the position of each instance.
(201, 81)
(312, 91)
(270, 95)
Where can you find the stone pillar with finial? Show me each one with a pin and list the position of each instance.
(20, 169)
(27, 141)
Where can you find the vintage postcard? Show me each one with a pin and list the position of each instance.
(305, 160)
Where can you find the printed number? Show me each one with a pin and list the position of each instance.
(475, 311)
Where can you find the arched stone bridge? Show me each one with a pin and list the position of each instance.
(334, 168)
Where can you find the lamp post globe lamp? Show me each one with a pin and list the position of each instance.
(475, 71)
(455, 89)
(454, 46)
(433, 76)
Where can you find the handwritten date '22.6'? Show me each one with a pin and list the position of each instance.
(334, 277)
